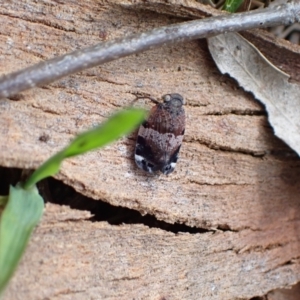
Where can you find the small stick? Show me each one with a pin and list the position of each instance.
(48, 71)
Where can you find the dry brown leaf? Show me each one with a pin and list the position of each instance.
(241, 60)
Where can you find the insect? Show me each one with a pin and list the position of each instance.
(160, 136)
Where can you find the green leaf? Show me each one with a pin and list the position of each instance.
(116, 126)
(19, 217)
(48, 168)
(24, 206)
(232, 5)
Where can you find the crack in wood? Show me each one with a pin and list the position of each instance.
(238, 112)
(115, 215)
(39, 22)
(216, 147)
(282, 265)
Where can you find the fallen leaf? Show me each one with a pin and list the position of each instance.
(241, 60)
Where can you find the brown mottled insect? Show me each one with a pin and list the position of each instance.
(160, 137)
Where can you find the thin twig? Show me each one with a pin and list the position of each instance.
(46, 72)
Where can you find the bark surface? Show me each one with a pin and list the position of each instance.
(234, 179)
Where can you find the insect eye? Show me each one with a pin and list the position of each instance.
(167, 98)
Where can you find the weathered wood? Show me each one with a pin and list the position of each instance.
(233, 174)
(285, 294)
(73, 258)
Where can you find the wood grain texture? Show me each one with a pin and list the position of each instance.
(233, 174)
(285, 294)
(73, 258)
